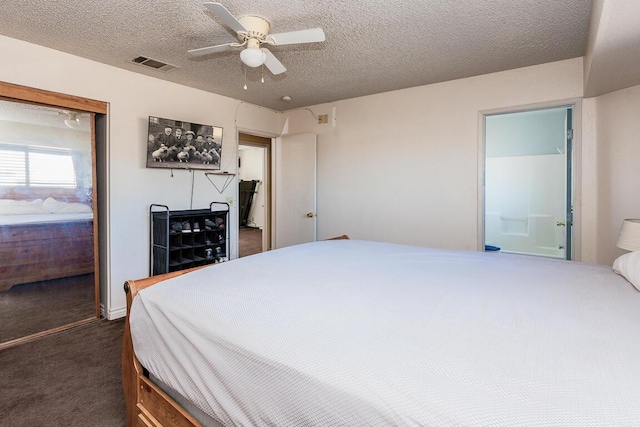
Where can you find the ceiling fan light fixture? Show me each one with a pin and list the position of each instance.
(252, 57)
(73, 121)
(253, 31)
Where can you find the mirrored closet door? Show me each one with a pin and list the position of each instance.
(48, 277)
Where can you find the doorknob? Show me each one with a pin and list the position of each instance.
(310, 215)
(560, 223)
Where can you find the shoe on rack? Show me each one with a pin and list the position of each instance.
(196, 226)
(186, 228)
(208, 242)
(176, 227)
(220, 222)
(208, 224)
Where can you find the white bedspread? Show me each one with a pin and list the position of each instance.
(42, 218)
(354, 333)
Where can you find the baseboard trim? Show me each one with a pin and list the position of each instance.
(116, 313)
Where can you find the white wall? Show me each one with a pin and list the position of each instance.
(402, 166)
(526, 133)
(524, 197)
(588, 172)
(617, 168)
(45, 136)
(252, 168)
(132, 188)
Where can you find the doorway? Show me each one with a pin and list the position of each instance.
(528, 182)
(254, 194)
(48, 212)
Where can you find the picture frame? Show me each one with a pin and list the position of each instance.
(175, 144)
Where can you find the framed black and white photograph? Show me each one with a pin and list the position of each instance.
(174, 144)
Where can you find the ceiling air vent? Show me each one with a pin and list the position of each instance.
(153, 63)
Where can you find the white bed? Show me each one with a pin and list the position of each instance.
(361, 333)
(44, 218)
(37, 211)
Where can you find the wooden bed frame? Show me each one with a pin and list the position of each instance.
(33, 252)
(45, 251)
(147, 405)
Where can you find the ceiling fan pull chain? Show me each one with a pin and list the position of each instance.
(245, 77)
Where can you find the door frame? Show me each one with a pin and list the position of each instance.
(576, 160)
(265, 143)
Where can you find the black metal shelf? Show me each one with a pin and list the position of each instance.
(174, 249)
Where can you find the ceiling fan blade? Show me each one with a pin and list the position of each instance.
(225, 16)
(211, 49)
(303, 36)
(272, 63)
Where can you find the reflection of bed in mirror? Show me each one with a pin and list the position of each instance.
(44, 239)
(351, 332)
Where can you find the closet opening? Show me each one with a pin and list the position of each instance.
(50, 275)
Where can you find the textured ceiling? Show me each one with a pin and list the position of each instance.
(371, 46)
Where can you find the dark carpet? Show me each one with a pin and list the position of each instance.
(35, 307)
(69, 379)
(249, 241)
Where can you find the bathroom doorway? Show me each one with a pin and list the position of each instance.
(528, 182)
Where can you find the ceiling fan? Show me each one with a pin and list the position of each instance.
(72, 118)
(253, 31)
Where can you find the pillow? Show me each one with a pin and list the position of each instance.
(21, 207)
(54, 206)
(628, 265)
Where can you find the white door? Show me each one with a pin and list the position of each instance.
(295, 195)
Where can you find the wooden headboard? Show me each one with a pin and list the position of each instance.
(72, 195)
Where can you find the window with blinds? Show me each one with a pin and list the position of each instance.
(13, 169)
(36, 167)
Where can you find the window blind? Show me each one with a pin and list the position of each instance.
(28, 166)
(13, 167)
